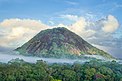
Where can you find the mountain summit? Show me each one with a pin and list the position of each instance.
(59, 43)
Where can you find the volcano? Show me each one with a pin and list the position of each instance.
(59, 43)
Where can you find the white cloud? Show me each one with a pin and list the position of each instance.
(80, 28)
(22, 22)
(19, 30)
(110, 24)
(70, 17)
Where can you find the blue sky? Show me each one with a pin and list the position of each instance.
(100, 20)
(46, 9)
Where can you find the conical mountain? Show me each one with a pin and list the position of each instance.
(59, 43)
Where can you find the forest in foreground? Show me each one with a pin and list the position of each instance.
(95, 70)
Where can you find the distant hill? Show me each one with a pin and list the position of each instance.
(59, 43)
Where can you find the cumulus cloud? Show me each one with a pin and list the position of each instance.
(105, 32)
(100, 32)
(18, 30)
(22, 22)
(110, 24)
(90, 30)
(80, 28)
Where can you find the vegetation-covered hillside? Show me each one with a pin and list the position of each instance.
(59, 43)
(18, 70)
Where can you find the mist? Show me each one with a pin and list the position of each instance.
(5, 57)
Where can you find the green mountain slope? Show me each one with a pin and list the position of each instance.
(59, 43)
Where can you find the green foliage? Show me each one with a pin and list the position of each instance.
(96, 51)
(95, 70)
(82, 53)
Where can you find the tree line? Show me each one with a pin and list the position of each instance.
(95, 70)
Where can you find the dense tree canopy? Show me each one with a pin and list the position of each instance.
(19, 70)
